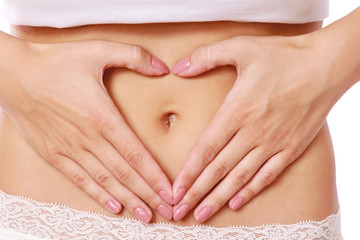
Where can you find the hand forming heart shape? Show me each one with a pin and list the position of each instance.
(270, 116)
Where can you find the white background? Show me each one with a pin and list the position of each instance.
(344, 122)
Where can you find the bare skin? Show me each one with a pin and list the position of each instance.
(285, 88)
(168, 114)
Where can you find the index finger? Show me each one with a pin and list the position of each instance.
(216, 136)
(119, 134)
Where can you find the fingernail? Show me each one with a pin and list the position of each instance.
(203, 214)
(142, 214)
(181, 212)
(236, 203)
(179, 195)
(164, 211)
(166, 196)
(113, 206)
(157, 64)
(182, 65)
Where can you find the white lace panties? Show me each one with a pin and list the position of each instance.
(24, 218)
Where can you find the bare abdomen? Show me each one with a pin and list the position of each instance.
(168, 114)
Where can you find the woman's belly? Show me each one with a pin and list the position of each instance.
(168, 114)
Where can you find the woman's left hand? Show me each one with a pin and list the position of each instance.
(277, 105)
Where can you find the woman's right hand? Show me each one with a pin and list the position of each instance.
(57, 100)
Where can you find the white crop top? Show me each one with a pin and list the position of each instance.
(70, 13)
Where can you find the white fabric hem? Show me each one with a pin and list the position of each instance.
(62, 14)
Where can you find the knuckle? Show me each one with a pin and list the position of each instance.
(135, 158)
(295, 148)
(268, 177)
(260, 132)
(195, 195)
(98, 120)
(126, 202)
(99, 197)
(218, 202)
(205, 51)
(154, 180)
(149, 198)
(70, 142)
(250, 193)
(131, 202)
(51, 156)
(83, 139)
(79, 179)
(219, 170)
(106, 127)
(122, 174)
(103, 122)
(206, 154)
(139, 54)
(241, 177)
(104, 179)
(241, 116)
(287, 159)
(77, 138)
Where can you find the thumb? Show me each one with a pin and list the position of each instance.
(205, 58)
(131, 56)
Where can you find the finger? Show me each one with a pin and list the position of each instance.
(121, 171)
(131, 56)
(95, 170)
(207, 57)
(117, 132)
(236, 178)
(82, 179)
(113, 126)
(104, 178)
(266, 175)
(226, 160)
(216, 136)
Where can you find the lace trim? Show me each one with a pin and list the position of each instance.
(55, 221)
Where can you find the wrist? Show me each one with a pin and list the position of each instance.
(335, 52)
(339, 44)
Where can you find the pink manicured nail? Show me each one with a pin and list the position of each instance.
(113, 206)
(157, 64)
(236, 203)
(179, 195)
(166, 196)
(142, 214)
(182, 65)
(164, 211)
(181, 212)
(203, 214)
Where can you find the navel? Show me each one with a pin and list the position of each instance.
(168, 119)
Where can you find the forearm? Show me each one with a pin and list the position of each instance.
(339, 44)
